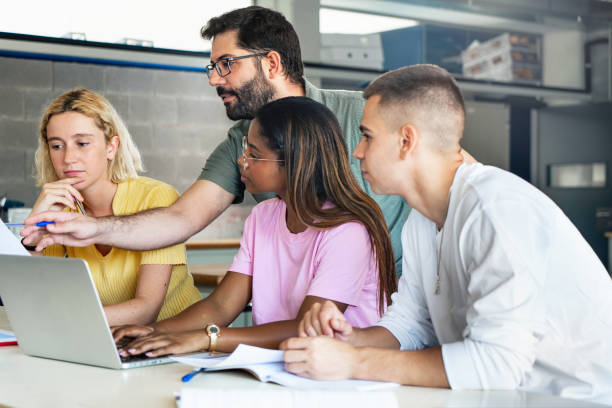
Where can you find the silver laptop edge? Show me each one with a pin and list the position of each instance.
(55, 312)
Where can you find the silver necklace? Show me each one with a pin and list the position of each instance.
(437, 291)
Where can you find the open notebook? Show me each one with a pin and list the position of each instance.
(268, 366)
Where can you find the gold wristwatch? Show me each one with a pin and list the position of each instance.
(213, 334)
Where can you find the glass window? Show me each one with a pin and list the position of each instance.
(576, 175)
(174, 25)
(348, 22)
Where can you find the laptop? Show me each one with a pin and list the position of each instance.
(55, 312)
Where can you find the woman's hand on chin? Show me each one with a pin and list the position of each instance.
(57, 195)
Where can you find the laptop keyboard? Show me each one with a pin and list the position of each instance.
(122, 343)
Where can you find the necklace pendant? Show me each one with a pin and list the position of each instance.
(437, 291)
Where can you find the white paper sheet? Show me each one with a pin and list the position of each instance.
(283, 398)
(9, 244)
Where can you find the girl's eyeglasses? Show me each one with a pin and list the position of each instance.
(245, 158)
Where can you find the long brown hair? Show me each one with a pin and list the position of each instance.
(307, 136)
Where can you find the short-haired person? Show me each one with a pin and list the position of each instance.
(499, 290)
(255, 58)
(85, 154)
(321, 238)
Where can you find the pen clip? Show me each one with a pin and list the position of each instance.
(79, 206)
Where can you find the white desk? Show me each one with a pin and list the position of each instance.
(37, 382)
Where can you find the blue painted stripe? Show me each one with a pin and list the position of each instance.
(99, 61)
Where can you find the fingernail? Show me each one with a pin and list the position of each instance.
(149, 354)
(131, 350)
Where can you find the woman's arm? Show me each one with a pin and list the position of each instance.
(151, 290)
(268, 335)
(222, 306)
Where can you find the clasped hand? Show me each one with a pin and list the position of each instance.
(322, 350)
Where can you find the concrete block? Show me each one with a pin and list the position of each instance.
(211, 136)
(68, 75)
(169, 138)
(142, 135)
(37, 101)
(29, 167)
(165, 110)
(191, 141)
(206, 139)
(161, 166)
(202, 112)
(18, 133)
(120, 103)
(128, 80)
(174, 83)
(12, 103)
(140, 109)
(25, 73)
(189, 167)
(12, 166)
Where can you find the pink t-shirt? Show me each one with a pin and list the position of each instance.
(335, 264)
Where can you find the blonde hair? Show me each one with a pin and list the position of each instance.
(126, 163)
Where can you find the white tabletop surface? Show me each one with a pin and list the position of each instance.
(32, 382)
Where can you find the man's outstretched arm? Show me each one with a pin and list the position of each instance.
(325, 358)
(150, 229)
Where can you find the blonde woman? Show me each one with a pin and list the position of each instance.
(87, 158)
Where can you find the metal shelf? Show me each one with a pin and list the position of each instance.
(490, 89)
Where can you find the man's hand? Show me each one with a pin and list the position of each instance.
(327, 320)
(70, 229)
(319, 357)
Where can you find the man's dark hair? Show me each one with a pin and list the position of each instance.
(423, 88)
(425, 83)
(260, 30)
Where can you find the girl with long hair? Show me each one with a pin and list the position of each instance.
(321, 238)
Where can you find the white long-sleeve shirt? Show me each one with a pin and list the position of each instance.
(524, 301)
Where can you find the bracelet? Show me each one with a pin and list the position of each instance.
(28, 247)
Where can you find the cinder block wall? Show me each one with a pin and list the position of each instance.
(175, 118)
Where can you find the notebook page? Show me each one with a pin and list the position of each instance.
(268, 365)
(244, 355)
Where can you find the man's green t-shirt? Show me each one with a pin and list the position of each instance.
(222, 167)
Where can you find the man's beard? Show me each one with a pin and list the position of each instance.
(249, 97)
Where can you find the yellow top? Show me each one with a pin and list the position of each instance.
(116, 273)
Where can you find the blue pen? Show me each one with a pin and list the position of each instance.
(192, 374)
(38, 224)
(195, 372)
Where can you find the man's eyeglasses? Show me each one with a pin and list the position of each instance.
(245, 158)
(224, 65)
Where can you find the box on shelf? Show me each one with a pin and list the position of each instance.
(507, 57)
(359, 51)
(429, 44)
